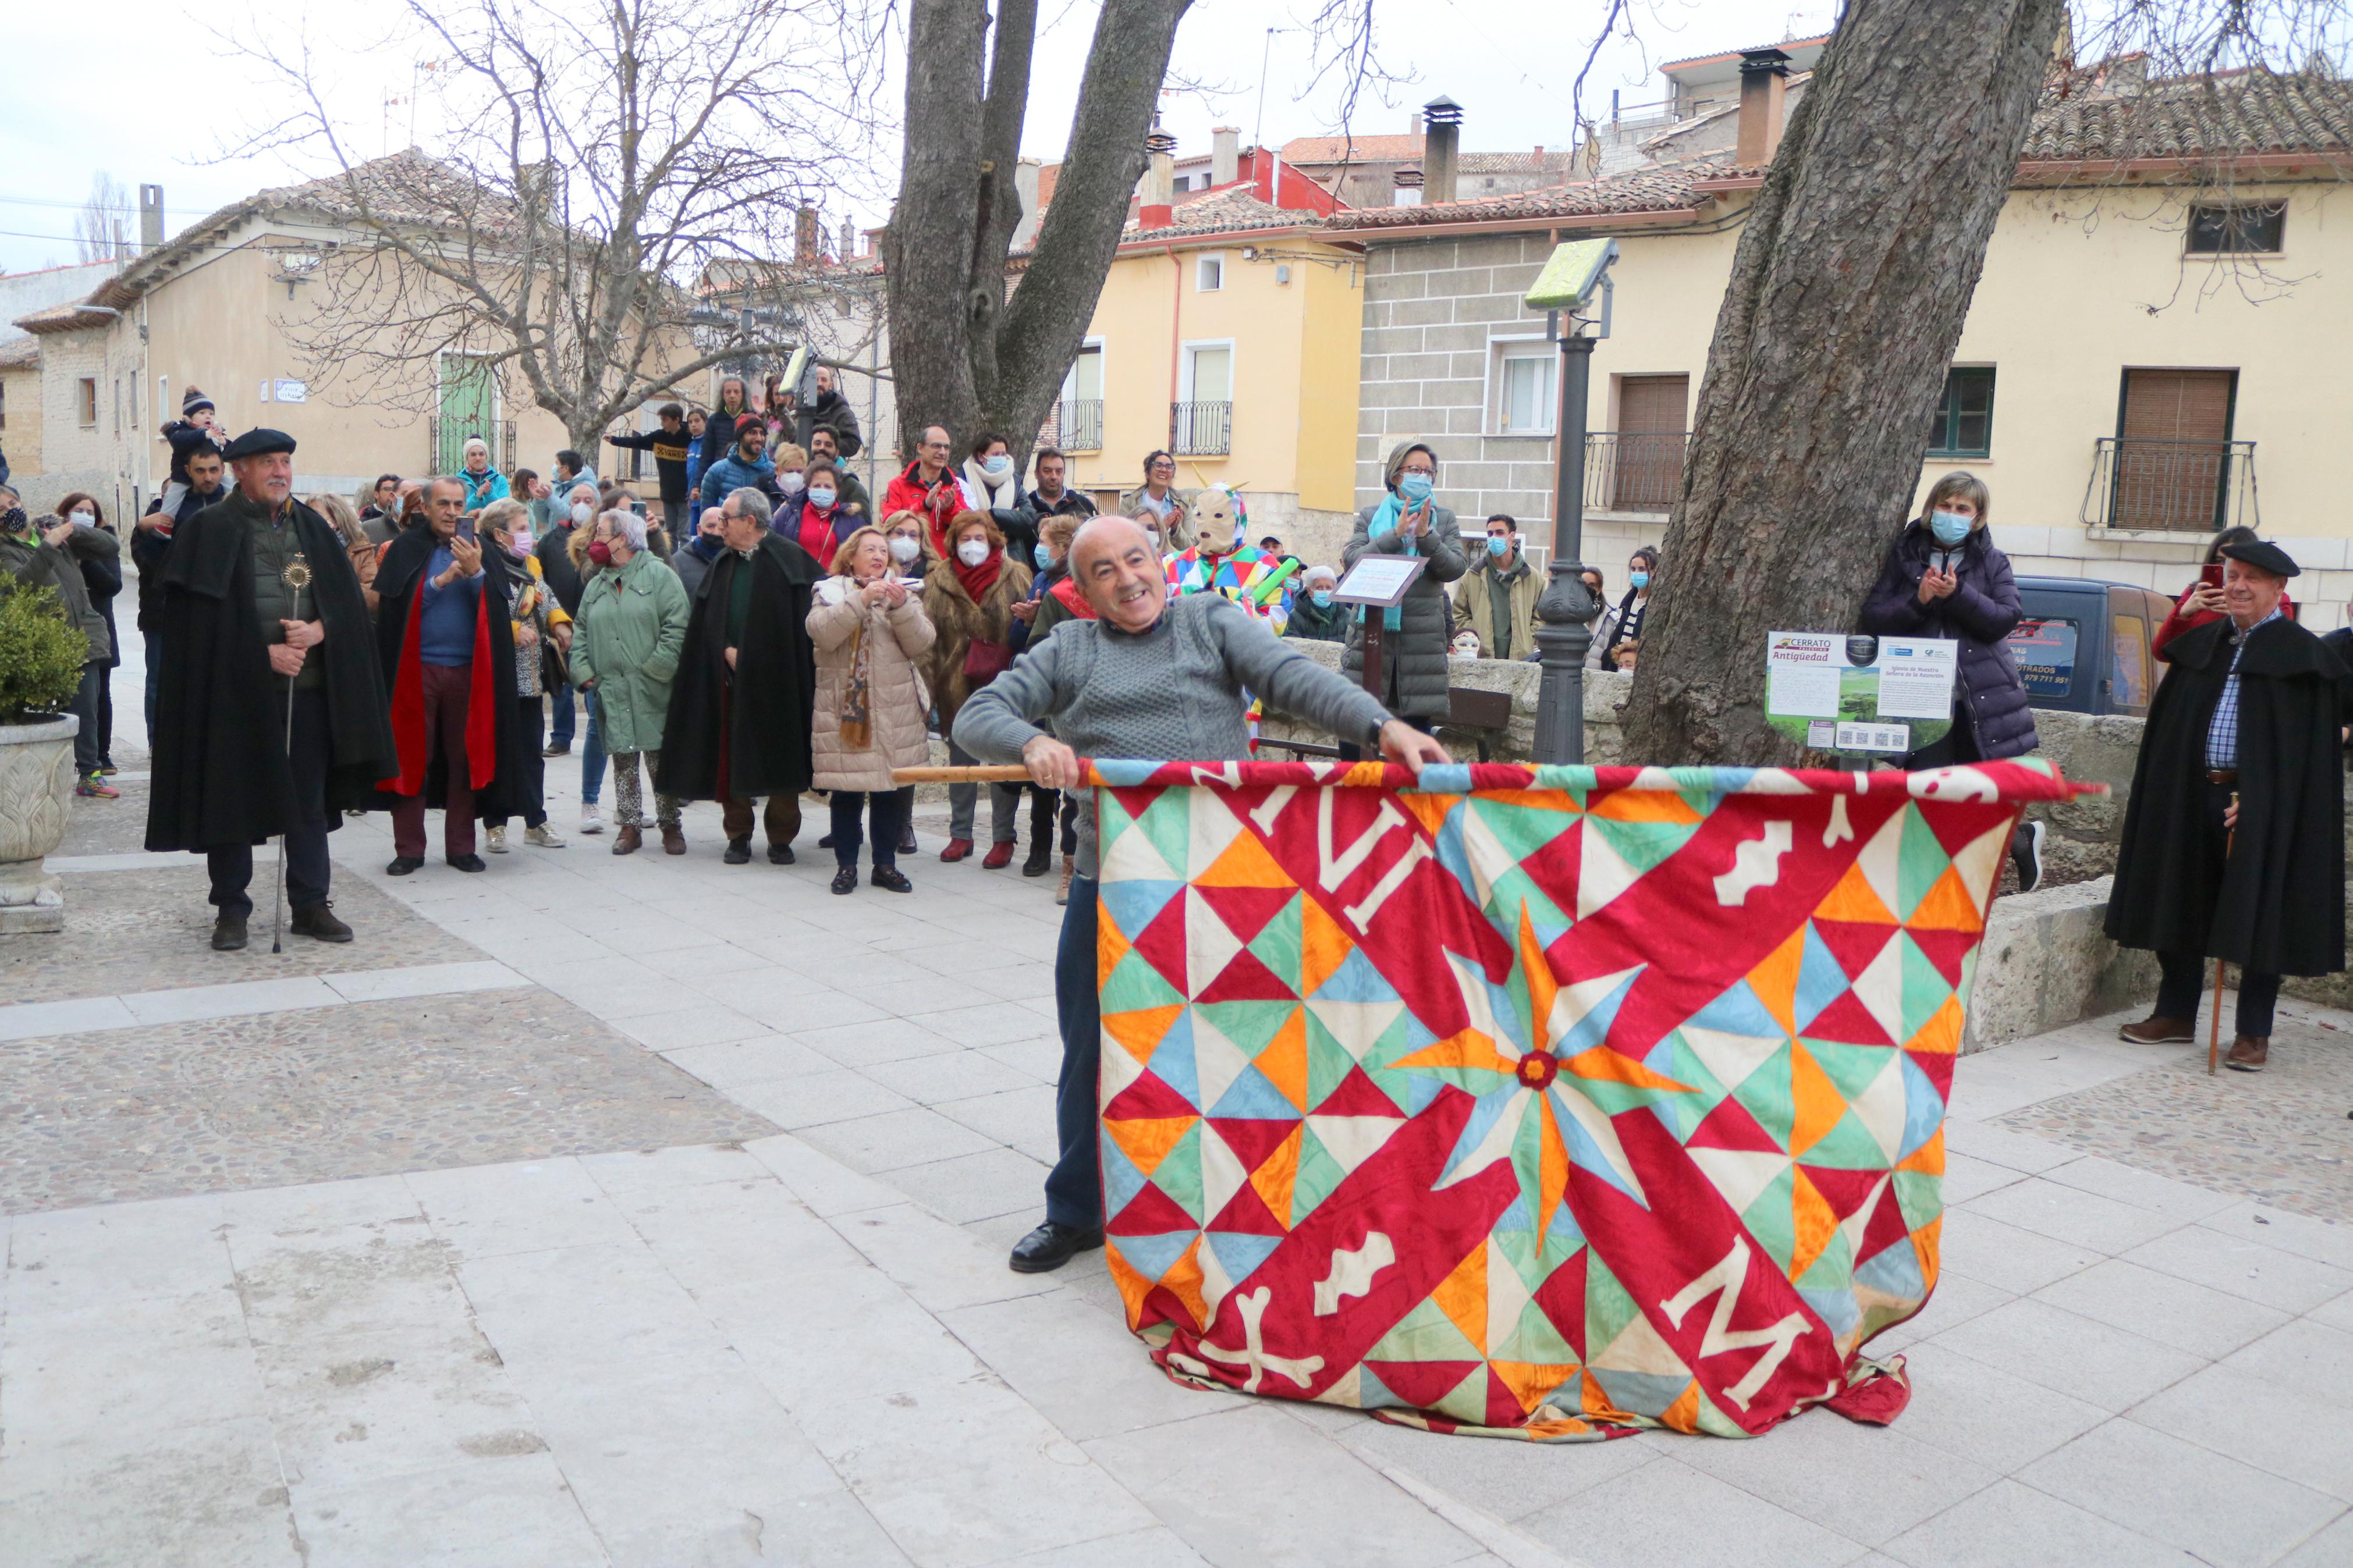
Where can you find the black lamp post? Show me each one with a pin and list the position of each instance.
(1567, 608)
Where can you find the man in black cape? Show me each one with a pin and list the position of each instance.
(2234, 838)
(746, 692)
(262, 621)
(448, 650)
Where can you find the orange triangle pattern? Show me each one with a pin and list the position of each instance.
(1322, 946)
(1774, 981)
(1853, 900)
(1277, 1175)
(1245, 864)
(1146, 1140)
(1811, 1222)
(1462, 1296)
(1941, 1035)
(1818, 1102)
(1531, 1382)
(1285, 1060)
(1948, 907)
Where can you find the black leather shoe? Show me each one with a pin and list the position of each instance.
(558, 750)
(845, 880)
(229, 934)
(1049, 1246)
(468, 863)
(1041, 857)
(739, 852)
(780, 854)
(318, 922)
(893, 878)
(402, 866)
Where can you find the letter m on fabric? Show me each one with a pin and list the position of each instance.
(1553, 1103)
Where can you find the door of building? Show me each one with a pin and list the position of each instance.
(2173, 449)
(1652, 426)
(470, 407)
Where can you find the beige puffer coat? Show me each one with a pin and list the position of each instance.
(896, 641)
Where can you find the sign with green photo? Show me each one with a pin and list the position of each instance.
(1833, 692)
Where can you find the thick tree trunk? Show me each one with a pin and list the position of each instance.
(1848, 292)
(962, 354)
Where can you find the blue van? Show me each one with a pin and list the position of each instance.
(2084, 645)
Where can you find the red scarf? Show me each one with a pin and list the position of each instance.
(817, 535)
(1067, 590)
(979, 580)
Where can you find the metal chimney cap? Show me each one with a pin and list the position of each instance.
(1444, 110)
(1160, 141)
(1774, 61)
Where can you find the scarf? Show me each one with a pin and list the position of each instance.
(979, 580)
(1067, 590)
(857, 724)
(1386, 520)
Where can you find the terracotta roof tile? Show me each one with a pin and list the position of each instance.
(1664, 189)
(18, 352)
(2202, 118)
(1229, 211)
(1352, 150)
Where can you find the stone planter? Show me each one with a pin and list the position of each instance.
(36, 780)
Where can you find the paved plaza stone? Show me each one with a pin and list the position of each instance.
(670, 1228)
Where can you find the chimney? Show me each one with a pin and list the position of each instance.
(1442, 119)
(1025, 185)
(151, 217)
(849, 241)
(1157, 206)
(1406, 187)
(1224, 155)
(806, 251)
(1764, 75)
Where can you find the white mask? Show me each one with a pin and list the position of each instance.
(790, 481)
(905, 547)
(83, 520)
(973, 551)
(582, 511)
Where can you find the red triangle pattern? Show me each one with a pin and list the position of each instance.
(1937, 1068)
(1425, 1382)
(1886, 1229)
(1244, 979)
(1357, 1095)
(1845, 1191)
(1853, 944)
(1247, 1213)
(1252, 1138)
(1847, 1020)
(1162, 942)
(1730, 1126)
(1945, 949)
(1246, 910)
(1562, 1296)
(1153, 1213)
(1147, 1100)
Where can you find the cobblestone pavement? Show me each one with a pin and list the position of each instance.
(806, 1347)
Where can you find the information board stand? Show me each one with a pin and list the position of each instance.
(1377, 582)
(1861, 698)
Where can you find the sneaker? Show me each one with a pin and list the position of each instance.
(495, 839)
(589, 821)
(543, 837)
(2026, 854)
(97, 788)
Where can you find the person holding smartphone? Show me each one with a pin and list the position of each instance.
(2201, 602)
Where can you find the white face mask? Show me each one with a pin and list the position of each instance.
(582, 511)
(790, 481)
(973, 551)
(905, 547)
(83, 520)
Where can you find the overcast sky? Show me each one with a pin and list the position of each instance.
(188, 96)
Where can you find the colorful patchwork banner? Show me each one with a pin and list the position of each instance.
(1547, 1103)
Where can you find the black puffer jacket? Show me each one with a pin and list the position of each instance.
(1978, 615)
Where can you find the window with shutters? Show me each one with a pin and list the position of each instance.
(2173, 448)
(86, 403)
(1963, 426)
(2251, 229)
(1640, 466)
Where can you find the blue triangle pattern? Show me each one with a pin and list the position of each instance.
(1238, 1254)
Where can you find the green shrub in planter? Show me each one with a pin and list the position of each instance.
(41, 653)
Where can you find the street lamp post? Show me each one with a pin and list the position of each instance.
(1567, 608)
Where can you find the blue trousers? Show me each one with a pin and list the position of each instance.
(592, 756)
(1074, 1186)
(561, 718)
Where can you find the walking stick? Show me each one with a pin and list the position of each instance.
(2215, 1033)
(277, 892)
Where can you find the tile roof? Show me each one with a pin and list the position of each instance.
(1352, 149)
(2239, 115)
(15, 354)
(1664, 189)
(1231, 210)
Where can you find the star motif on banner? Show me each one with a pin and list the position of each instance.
(1534, 1054)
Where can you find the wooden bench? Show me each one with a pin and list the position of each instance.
(1486, 714)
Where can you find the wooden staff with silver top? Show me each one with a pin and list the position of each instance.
(296, 576)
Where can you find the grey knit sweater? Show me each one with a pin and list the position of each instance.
(1173, 694)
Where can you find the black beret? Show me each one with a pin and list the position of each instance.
(258, 443)
(2265, 557)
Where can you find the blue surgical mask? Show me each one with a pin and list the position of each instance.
(1638, 579)
(998, 464)
(1498, 547)
(1043, 556)
(821, 497)
(1949, 527)
(1414, 487)
(1323, 598)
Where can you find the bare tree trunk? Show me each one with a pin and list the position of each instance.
(962, 354)
(1848, 293)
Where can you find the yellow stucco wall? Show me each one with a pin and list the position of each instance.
(1294, 366)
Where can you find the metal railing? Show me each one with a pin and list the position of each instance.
(2188, 487)
(1200, 429)
(1079, 425)
(445, 443)
(1634, 471)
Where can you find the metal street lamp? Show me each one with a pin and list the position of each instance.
(1565, 290)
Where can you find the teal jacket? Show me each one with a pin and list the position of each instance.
(627, 636)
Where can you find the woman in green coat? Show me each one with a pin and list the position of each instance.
(625, 641)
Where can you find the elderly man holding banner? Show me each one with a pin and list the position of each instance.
(1146, 678)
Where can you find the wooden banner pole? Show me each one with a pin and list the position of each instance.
(1013, 773)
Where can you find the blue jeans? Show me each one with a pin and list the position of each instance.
(84, 708)
(592, 755)
(1074, 1186)
(560, 724)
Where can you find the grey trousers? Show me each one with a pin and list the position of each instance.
(1004, 803)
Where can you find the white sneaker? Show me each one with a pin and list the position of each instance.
(543, 837)
(589, 821)
(497, 841)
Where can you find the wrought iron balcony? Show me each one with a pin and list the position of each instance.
(1634, 471)
(1200, 429)
(2187, 487)
(1079, 425)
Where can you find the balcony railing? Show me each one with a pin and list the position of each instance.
(445, 443)
(1634, 471)
(1200, 429)
(1078, 424)
(2187, 487)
